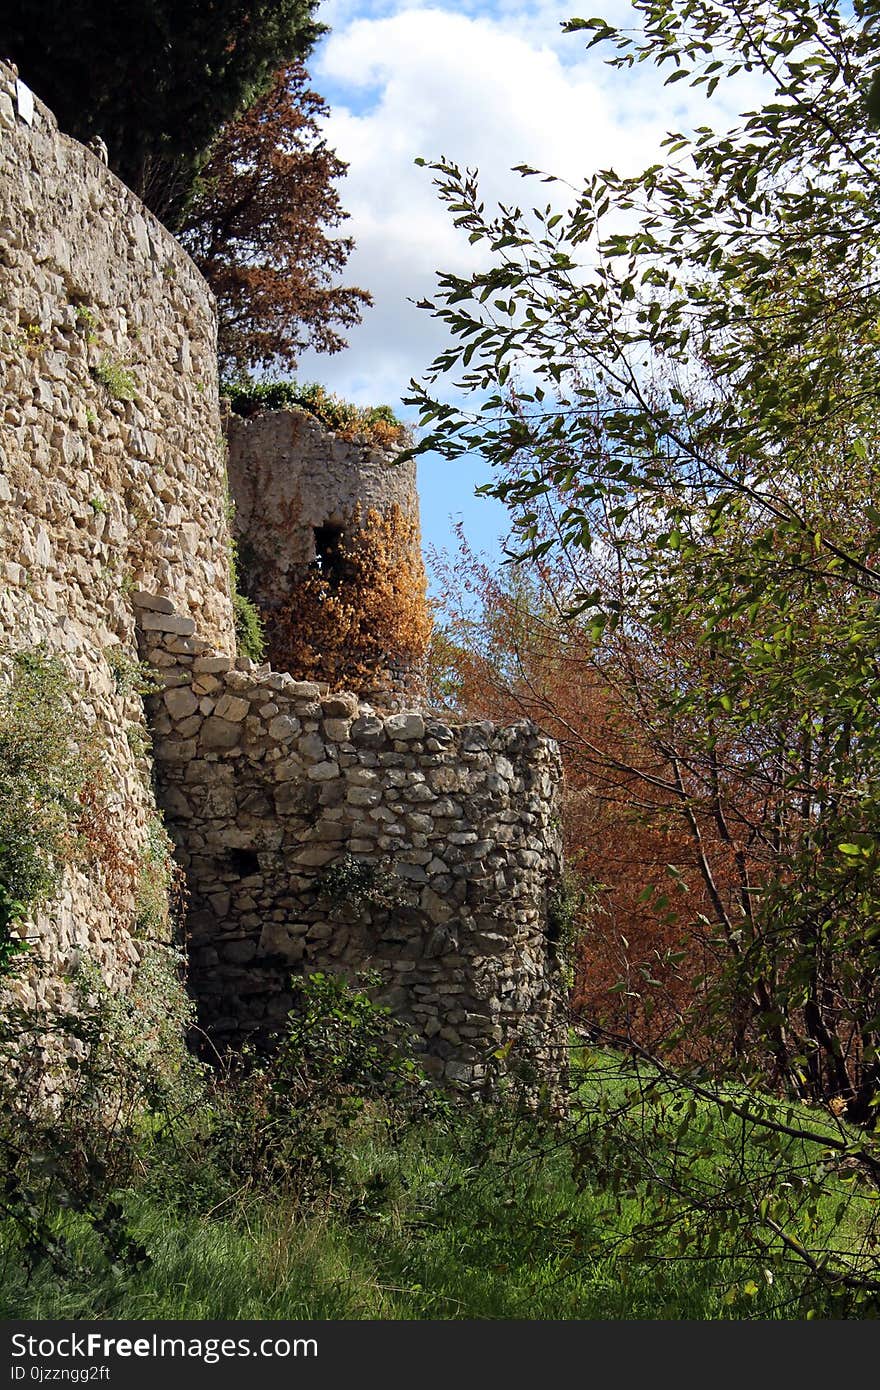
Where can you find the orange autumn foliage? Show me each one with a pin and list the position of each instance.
(646, 948)
(357, 626)
(259, 229)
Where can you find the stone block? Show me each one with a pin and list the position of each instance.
(180, 702)
(340, 706)
(312, 747)
(212, 665)
(303, 690)
(219, 734)
(154, 603)
(368, 729)
(337, 730)
(412, 873)
(323, 772)
(287, 770)
(238, 952)
(316, 857)
(436, 907)
(292, 798)
(363, 796)
(175, 804)
(403, 727)
(284, 727)
(167, 622)
(232, 707)
(173, 750)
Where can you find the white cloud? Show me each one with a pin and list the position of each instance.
(486, 90)
(486, 86)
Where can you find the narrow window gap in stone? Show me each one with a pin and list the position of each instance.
(328, 552)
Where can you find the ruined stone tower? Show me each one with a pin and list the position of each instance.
(329, 549)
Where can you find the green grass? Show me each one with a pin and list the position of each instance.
(643, 1203)
(478, 1254)
(469, 1218)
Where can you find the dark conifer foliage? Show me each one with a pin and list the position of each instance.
(156, 79)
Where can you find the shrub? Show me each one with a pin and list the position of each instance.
(281, 1125)
(348, 627)
(75, 1147)
(159, 882)
(131, 676)
(570, 904)
(45, 764)
(248, 627)
(249, 631)
(356, 883)
(118, 383)
(374, 424)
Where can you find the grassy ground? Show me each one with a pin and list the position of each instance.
(476, 1219)
(515, 1251)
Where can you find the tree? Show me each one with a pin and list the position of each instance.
(645, 957)
(685, 363)
(697, 387)
(257, 228)
(156, 80)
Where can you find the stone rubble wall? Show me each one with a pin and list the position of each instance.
(289, 475)
(111, 470)
(267, 782)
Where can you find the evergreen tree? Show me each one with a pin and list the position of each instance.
(155, 79)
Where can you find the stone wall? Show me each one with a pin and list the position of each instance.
(111, 468)
(270, 787)
(114, 546)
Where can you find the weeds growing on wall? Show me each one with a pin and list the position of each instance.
(159, 888)
(46, 764)
(348, 626)
(359, 883)
(131, 676)
(117, 382)
(376, 424)
(249, 632)
(570, 906)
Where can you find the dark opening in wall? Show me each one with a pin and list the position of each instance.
(328, 550)
(244, 862)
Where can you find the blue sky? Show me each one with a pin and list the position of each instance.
(488, 85)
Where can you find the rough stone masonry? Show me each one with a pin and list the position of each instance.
(114, 545)
(267, 782)
(111, 478)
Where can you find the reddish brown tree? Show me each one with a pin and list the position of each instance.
(640, 818)
(259, 229)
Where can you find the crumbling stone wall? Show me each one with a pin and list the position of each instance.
(111, 469)
(290, 476)
(267, 782)
(302, 493)
(114, 545)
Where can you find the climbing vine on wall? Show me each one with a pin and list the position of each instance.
(351, 621)
(47, 762)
